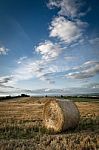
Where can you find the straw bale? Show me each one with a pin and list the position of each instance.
(60, 114)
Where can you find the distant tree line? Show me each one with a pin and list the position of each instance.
(11, 97)
(73, 98)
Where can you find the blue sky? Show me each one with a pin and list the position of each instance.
(49, 46)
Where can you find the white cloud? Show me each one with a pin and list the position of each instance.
(5, 79)
(28, 70)
(21, 59)
(64, 91)
(70, 58)
(92, 85)
(3, 50)
(86, 70)
(48, 50)
(57, 69)
(66, 30)
(25, 71)
(70, 8)
(94, 41)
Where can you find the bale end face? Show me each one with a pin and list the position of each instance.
(53, 117)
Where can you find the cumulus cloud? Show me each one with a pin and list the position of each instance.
(66, 30)
(86, 70)
(70, 8)
(3, 50)
(49, 50)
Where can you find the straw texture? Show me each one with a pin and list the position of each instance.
(60, 115)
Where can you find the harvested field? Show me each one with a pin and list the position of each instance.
(21, 127)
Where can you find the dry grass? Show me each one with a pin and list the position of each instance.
(21, 127)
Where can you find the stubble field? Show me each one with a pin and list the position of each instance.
(21, 127)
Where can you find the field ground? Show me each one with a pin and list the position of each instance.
(21, 127)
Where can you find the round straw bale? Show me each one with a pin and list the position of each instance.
(60, 115)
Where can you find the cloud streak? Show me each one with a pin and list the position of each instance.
(86, 70)
(94, 41)
(5, 79)
(56, 91)
(21, 59)
(28, 70)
